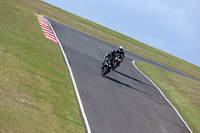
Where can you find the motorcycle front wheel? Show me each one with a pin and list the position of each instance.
(105, 71)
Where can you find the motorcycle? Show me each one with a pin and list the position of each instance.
(117, 61)
(107, 66)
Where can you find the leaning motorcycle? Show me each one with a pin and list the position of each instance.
(107, 66)
(117, 61)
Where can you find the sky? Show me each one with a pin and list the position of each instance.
(172, 26)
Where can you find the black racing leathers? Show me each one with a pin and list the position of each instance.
(110, 56)
(121, 52)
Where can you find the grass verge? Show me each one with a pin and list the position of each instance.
(36, 94)
(182, 92)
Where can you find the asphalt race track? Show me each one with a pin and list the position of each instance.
(122, 102)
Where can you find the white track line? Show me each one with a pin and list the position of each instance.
(73, 81)
(164, 97)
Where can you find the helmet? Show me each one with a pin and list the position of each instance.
(121, 48)
(112, 52)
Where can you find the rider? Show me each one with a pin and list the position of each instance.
(120, 50)
(110, 55)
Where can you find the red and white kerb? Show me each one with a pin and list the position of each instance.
(46, 28)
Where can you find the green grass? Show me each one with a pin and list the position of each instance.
(182, 92)
(36, 94)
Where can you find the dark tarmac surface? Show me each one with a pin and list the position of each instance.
(122, 102)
